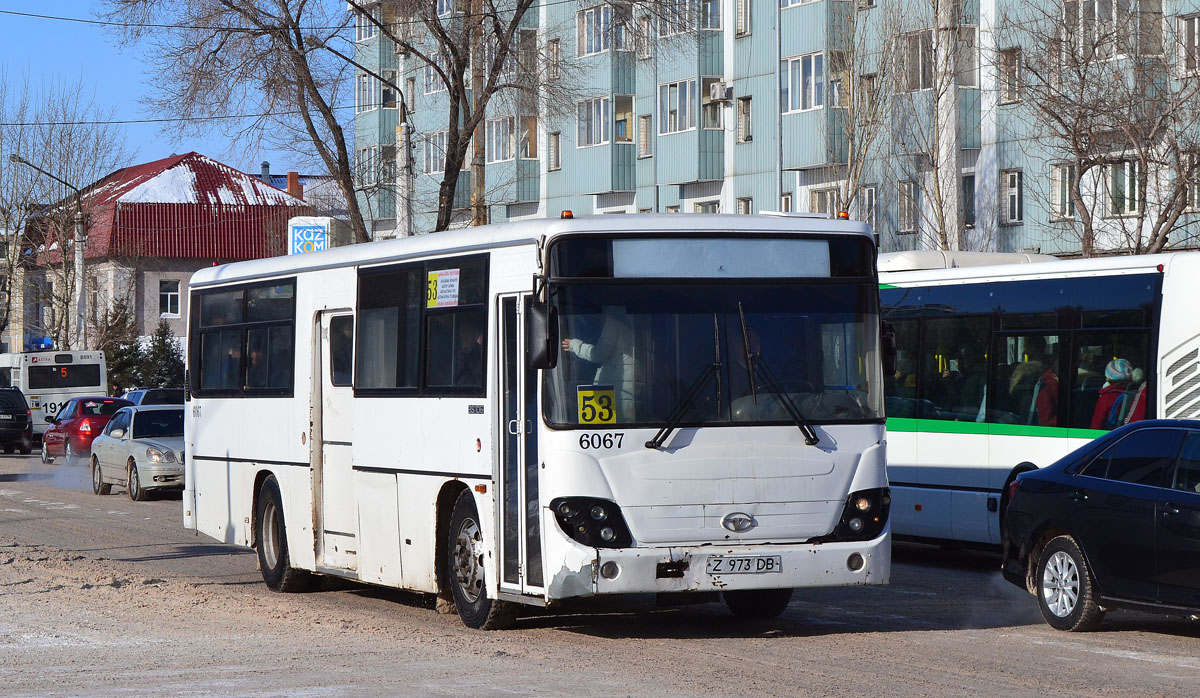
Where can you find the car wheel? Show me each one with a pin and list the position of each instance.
(25, 448)
(270, 534)
(1065, 589)
(757, 604)
(9, 448)
(134, 484)
(98, 486)
(465, 556)
(46, 458)
(68, 457)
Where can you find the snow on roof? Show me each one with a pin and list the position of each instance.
(174, 186)
(190, 178)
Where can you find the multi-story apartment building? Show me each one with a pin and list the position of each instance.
(935, 120)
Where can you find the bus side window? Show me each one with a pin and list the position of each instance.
(900, 388)
(954, 368)
(5, 377)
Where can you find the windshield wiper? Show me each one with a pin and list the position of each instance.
(755, 363)
(693, 392)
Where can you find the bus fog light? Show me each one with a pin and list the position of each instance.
(610, 570)
(564, 510)
(607, 534)
(598, 513)
(855, 562)
(855, 524)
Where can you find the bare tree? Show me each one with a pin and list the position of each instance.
(214, 59)
(55, 129)
(934, 56)
(1118, 111)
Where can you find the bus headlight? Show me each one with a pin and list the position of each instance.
(863, 516)
(596, 523)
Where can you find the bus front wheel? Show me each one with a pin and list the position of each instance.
(465, 558)
(273, 557)
(758, 604)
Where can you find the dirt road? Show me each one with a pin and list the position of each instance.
(106, 597)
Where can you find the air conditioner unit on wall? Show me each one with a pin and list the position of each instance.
(720, 92)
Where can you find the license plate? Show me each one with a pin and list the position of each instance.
(749, 564)
(6, 416)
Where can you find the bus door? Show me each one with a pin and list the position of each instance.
(337, 516)
(520, 515)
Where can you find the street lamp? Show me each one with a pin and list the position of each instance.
(80, 334)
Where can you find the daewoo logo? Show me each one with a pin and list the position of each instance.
(738, 522)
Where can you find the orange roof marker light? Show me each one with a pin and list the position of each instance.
(566, 214)
(843, 215)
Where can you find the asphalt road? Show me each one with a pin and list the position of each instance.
(105, 596)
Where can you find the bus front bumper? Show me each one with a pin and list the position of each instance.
(707, 568)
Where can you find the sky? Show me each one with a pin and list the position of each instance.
(50, 51)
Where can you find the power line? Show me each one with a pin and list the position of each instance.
(119, 122)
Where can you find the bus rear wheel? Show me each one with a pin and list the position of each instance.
(465, 555)
(758, 604)
(273, 557)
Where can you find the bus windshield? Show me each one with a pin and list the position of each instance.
(632, 352)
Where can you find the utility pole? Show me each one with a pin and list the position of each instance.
(80, 330)
(949, 131)
(479, 215)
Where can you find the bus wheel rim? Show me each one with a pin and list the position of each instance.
(270, 541)
(468, 560)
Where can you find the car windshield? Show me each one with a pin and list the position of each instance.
(633, 351)
(92, 407)
(157, 424)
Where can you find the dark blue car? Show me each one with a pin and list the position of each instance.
(1115, 523)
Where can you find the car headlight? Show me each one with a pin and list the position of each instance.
(155, 455)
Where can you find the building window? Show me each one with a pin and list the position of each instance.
(364, 28)
(968, 200)
(1062, 184)
(672, 209)
(168, 298)
(824, 201)
(435, 152)
(645, 36)
(553, 68)
(710, 14)
(968, 57)
(906, 218)
(444, 7)
(707, 207)
(745, 206)
(623, 119)
(388, 87)
(785, 203)
(499, 135)
(794, 3)
(366, 166)
(1192, 176)
(711, 110)
(1010, 75)
(1189, 37)
(433, 81)
(1123, 188)
(1011, 197)
(916, 55)
(866, 205)
(803, 82)
(367, 93)
(529, 137)
(839, 77)
(742, 17)
(745, 133)
(410, 92)
(676, 110)
(594, 28)
(678, 17)
(1104, 29)
(645, 136)
(554, 157)
(593, 122)
(868, 86)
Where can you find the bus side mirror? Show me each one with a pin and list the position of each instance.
(887, 346)
(541, 336)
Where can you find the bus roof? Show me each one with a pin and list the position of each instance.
(518, 233)
(949, 259)
(1062, 267)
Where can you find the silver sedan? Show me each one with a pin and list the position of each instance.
(141, 448)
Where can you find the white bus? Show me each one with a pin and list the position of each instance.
(1002, 369)
(527, 412)
(50, 378)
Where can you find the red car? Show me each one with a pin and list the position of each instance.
(76, 424)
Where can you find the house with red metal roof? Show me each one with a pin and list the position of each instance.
(149, 227)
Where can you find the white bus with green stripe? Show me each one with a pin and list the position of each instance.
(1009, 367)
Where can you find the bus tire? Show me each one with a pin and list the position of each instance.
(465, 554)
(1066, 592)
(757, 604)
(271, 536)
(99, 486)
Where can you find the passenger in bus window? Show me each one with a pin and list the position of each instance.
(613, 351)
(1046, 395)
(468, 363)
(1137, 397)
(1113, 404)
